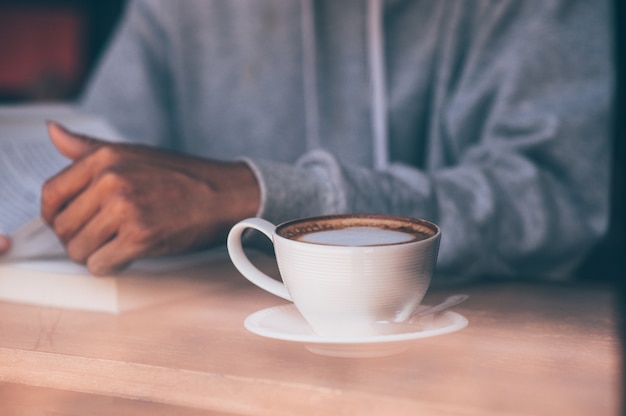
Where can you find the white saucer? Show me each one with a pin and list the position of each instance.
(286, 323)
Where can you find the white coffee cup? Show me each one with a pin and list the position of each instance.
(346, 272)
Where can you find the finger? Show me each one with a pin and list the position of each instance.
(58, 191)
(62, 188)
(69, 144)
(76, 214)
(5, 244)
(114, 256)
(94, 235)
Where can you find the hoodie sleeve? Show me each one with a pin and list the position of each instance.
(522, 114)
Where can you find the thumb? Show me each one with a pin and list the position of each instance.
(69, 144)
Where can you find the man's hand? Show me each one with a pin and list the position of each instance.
(120, 202)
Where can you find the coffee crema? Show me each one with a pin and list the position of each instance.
(357, 230)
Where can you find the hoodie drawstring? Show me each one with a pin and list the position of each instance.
(309, 65)
(378, 82)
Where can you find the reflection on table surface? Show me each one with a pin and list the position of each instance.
(530, 349)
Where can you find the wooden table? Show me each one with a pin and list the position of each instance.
(529, 349)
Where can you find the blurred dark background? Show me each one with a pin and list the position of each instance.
(608, 261)
(619, 184)
(48, 47)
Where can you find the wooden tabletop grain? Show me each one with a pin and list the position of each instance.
(530, 348)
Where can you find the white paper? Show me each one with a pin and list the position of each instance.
(64, 284)
(34, 240)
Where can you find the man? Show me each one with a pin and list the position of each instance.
(489, 118)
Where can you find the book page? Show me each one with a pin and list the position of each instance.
(27, 159)
(34, 240)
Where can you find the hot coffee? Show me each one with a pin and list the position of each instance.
(356, 230)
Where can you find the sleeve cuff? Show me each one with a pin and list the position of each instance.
(295, 191)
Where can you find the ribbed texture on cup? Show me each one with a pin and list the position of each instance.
(335, 287)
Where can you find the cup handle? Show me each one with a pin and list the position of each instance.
(243, 264)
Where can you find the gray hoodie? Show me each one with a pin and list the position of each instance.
(490, 118)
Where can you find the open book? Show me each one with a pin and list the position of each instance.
(37, 270)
